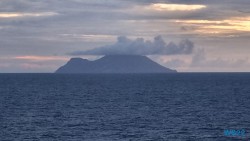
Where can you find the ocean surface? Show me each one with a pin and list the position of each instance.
(124, 107)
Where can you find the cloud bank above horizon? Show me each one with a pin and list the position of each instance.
(49, 29)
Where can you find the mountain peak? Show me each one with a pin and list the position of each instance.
(114, 64)
(77, 59)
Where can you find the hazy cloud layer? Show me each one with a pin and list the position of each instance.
(200, 60)
(139, 46)
(49, 27)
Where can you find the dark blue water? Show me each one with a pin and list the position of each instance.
(124, 107)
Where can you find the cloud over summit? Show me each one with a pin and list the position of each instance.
(139, 46)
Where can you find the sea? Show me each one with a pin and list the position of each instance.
(125, 107)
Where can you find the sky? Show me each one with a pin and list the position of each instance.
(186, 35)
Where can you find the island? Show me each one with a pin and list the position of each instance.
(114, 64)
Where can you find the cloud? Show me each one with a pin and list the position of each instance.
(43, 28)
(11, 15)
(30, 64)
(175, 7)
(200, 60)
(42, 58)
(141, 47)
(224, 27)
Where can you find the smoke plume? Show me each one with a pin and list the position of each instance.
(139, 46)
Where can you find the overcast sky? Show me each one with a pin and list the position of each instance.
(187, 35)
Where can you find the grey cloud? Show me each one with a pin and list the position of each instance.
(175, 63)
(59, 5)
(73, 11)
(141, 47)
(41, 35)
(112, 9)
(215, 9)
(200, 60)
(13, 5)
(207, 2)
